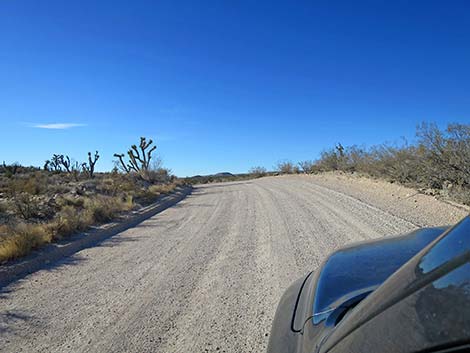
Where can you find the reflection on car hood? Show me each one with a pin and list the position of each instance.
(359, 269)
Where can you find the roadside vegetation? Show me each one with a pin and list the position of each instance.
(42, 205)
(438, 163)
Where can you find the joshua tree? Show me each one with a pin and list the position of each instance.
(139, 158)
(65, 162)
(56, 162)
(89, 167)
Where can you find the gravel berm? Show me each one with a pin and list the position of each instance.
(202, 276)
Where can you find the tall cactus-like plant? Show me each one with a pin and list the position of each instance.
(65, 162)
(89, 167)
(56, 162)
(139, 158)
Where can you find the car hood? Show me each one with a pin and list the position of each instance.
(428, 295)
(353, 272)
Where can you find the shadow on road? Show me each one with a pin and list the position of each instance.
(10, 319)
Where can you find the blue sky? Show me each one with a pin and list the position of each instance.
(226, 85)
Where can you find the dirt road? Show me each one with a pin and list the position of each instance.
(202, 276)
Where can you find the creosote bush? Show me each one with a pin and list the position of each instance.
(103, 209)
(258, 172)
(440, 160)
(307, 167)
(286, 167)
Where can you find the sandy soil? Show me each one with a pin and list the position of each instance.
(206, 274)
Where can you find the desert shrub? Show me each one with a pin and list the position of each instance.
(145, 196)
(285, 167)
(68, 221)
(336, 158)
(328, 160)
(59, 185)
(355, 158)
(76, 201)
(160, 175)
(104, 209)
(440, 159)
(307, 166)
(258, 172)
(34, 184)
(391, 162)
(148, 195)
(100, 210)
(112, 186)
(121, 184)
(161, 189)
(446, 154)
(26, 206)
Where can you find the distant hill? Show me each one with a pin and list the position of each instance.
(218, 177)
(224, 174)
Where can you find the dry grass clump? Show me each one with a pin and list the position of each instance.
(103, 209)
(20, 239)
(68, 221)
(161, 189)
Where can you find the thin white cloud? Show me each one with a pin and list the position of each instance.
(57, 126)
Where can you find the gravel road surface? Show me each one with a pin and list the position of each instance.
(202, 276)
